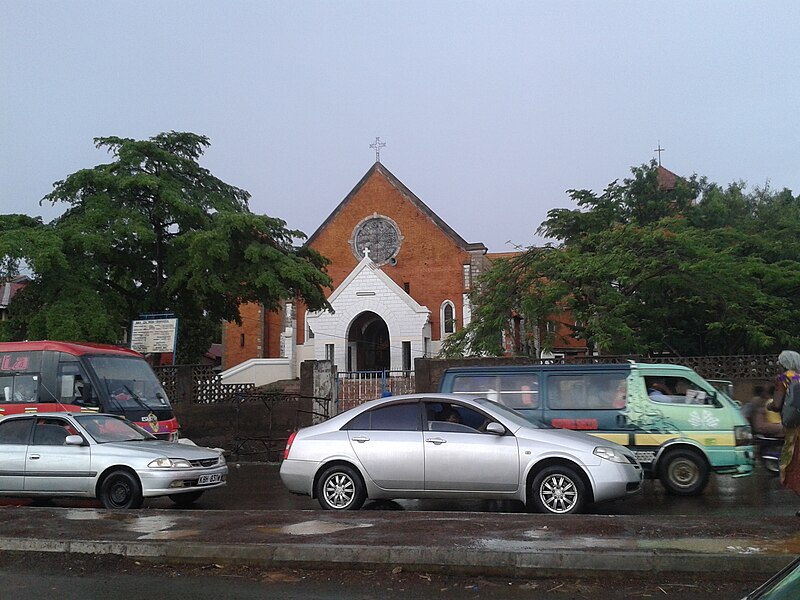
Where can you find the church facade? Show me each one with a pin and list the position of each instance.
(401, 280)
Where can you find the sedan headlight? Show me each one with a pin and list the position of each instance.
(611, 454)
(170, 463)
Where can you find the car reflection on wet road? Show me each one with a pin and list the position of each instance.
(257, 486)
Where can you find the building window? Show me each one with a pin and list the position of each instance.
(241, 340)
(406, 287)
(467, 276)
(329, 349)
(406, 356)
(447, 314)
(309, 332)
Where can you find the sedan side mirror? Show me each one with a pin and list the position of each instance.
(73, 440)
(495, 428)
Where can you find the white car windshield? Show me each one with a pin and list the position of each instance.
(104, 428)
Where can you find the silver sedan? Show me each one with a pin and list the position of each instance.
(101, 456)
(447, 446)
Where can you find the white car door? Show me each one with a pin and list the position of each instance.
(459, 457)
(14, 435)
(388, 443)
(51, 465)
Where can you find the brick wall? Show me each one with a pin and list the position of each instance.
(429, 261)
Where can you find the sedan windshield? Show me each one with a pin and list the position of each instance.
(105, 428)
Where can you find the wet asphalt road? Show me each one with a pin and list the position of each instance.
(257, 486)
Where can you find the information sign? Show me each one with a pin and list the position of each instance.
(154, 335)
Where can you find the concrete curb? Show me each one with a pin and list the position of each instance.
(463, 560)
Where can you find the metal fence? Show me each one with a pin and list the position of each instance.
(744, 367)
(357, 387)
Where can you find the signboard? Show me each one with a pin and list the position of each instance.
(154, 335)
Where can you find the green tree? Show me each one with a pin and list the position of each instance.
(692, 270)
(155, 232)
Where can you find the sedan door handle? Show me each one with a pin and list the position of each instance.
(436, 441)
(360, 439)
(34, 457)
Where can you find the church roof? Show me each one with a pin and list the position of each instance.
(400, 187)
(666, 179)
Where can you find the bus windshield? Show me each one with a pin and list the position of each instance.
(129, 381)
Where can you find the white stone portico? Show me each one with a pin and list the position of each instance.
(368, 289)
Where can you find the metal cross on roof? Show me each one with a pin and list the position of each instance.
(377, 147)
(659, 150)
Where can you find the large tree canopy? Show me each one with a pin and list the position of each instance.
(153, 232)
(693, 269)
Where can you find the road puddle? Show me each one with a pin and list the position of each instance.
(319, 527)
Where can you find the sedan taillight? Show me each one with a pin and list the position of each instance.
(289, 445)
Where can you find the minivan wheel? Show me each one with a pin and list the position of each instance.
(340, 488)
(683, 473)
(558, 490)
(121, 489)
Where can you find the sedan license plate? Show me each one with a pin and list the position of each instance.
(209, 479)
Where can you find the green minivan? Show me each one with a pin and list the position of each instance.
(679, 426)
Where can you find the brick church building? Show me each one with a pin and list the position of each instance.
(401, 279)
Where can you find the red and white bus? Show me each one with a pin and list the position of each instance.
(51, 376)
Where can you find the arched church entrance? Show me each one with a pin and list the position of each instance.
(368, 344)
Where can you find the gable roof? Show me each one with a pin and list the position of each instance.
(409, 195)
(666, 179)
(9, 289)
(366, 265)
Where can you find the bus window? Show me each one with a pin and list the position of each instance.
(19, 388)
(73, 386)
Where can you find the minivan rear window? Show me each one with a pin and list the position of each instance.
(514, 390)
(581, 391)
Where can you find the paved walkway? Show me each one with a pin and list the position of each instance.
(477, 543)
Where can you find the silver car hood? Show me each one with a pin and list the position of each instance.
(568, 438)
(163, 448)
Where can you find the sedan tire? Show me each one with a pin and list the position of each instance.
(120, 489)
(558, 490)
(340, 488)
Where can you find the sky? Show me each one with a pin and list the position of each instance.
(490, 111)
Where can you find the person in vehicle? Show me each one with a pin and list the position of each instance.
(657, 391)
(450, 415)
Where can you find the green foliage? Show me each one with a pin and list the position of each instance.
(154, 232)
(694, 270)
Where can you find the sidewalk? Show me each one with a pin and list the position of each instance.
(476, 543)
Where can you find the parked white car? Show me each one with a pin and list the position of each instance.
(101, 456)
(448, 446)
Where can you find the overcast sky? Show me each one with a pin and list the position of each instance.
(490, 110)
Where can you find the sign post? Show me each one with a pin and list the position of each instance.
(155, 334)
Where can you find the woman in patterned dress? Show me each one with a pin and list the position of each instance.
(790, 455)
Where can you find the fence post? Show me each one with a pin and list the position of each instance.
(184, 384)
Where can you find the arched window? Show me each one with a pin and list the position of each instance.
(447, 314)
